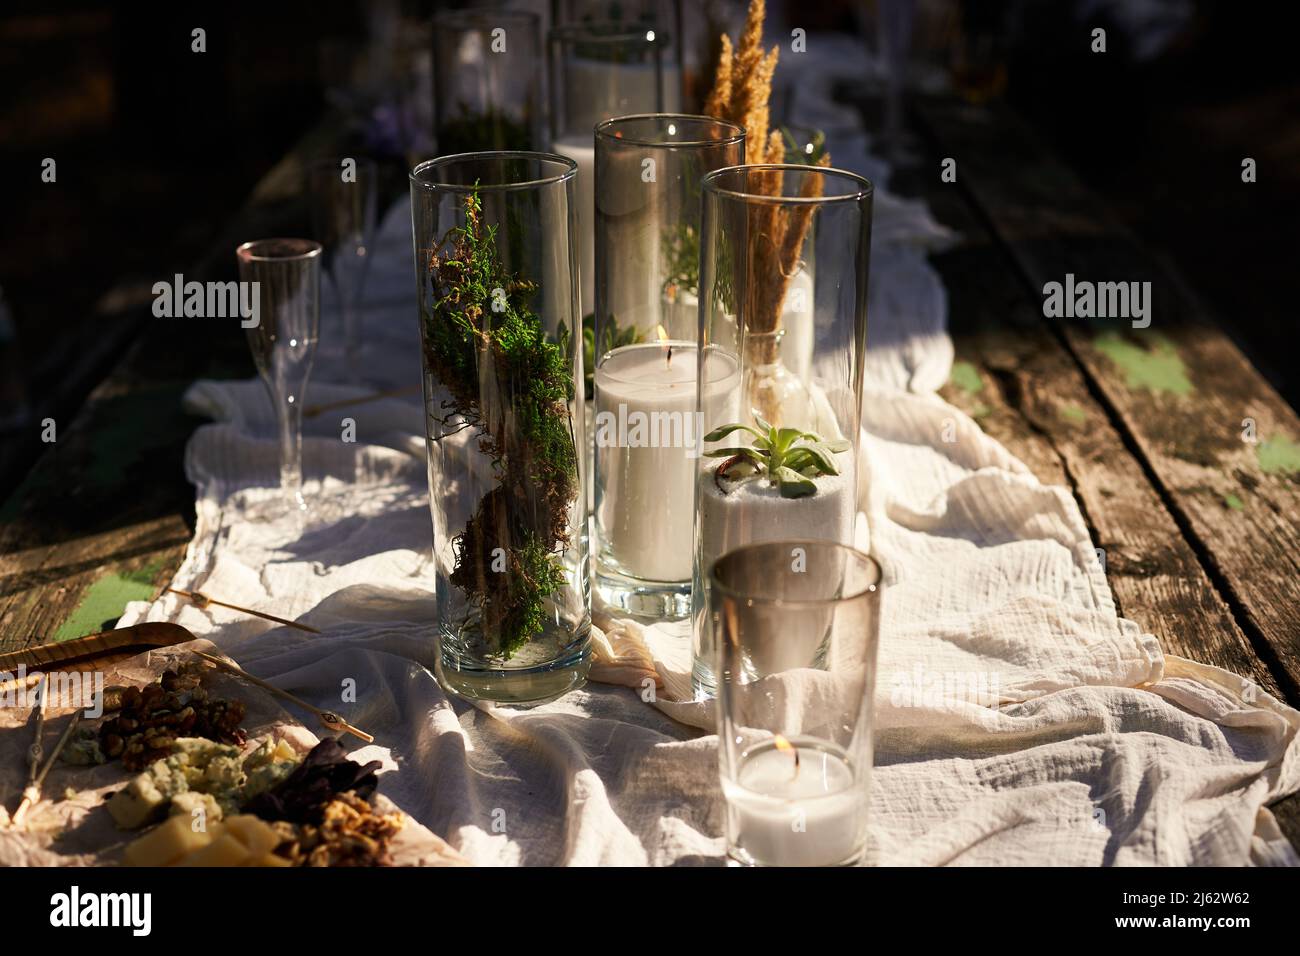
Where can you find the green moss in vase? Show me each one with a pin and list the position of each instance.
(512, 385)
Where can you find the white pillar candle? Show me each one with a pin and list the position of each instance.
(780, 814)
(596, 90)
(648, 443)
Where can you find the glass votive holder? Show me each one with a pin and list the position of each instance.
(646, 437)
(598, 70)
(796, 627)
(659, 21)
(783, 289)
(487, 67)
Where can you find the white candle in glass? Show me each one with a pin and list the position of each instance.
(648, 445)
(596, 90)
(809, 813)
(582, 150)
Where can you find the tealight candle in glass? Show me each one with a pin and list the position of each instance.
(650, 377)
(796, 627)
(783, 289)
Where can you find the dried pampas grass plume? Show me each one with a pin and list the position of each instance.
(741, 93)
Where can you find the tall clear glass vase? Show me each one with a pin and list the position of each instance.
(788, 466)
(502, 355)
(648, 173)
(598, 70)
(660, 22)
(487, 68)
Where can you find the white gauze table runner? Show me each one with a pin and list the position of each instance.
(1103, 750)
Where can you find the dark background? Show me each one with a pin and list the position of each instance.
(157, 147)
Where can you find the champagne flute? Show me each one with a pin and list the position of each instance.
(342, 193)
(286, 273)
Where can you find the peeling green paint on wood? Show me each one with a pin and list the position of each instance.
(106, 599)
(1072, 413)
(1158, 368)
(966, 377)
(1278, 456)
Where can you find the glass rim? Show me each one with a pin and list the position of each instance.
(569, 171)
(479, 17)
(759, 599)
(737, 136)
(695, 347)
(307, 249)
(587, 31)
(709, 183)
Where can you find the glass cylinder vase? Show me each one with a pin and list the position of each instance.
(659, 21)
(598, 70)
(502, 355)
(796, 629)
(645, 436)
(487, 67)
(783, 462)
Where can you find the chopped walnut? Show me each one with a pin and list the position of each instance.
(151, 718)
(350, 834)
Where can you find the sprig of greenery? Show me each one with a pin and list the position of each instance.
(616, 336)
(680, 248)
(795, 152)
(789, 457)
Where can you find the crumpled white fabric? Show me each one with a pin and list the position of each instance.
(1019, 720)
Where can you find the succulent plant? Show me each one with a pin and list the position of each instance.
(787, 457)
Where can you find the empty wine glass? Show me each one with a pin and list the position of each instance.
(342, 193)
(286, 273)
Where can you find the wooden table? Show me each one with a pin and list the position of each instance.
(1150, 429)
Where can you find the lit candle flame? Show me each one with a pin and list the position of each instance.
(784, 746)
(663, 337)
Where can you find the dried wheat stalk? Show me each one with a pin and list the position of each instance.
(740, 94)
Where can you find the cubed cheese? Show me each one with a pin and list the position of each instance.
(147, 795)
(185, 804)
(225, 850)
(167, 843)
(254, 833)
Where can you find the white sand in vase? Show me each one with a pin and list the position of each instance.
(732, 514)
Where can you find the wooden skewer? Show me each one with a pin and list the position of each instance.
(202, 600)
(33, 792)
(311, 411)
(35, 752)
(328, 718)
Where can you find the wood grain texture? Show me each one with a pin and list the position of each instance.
(1181, 392)
(94, 647)
(1162, 576)
(1034, 398)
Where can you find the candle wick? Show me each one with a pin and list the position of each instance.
(670, 355)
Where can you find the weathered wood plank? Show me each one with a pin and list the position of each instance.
(1183, 394)
(1032, 396)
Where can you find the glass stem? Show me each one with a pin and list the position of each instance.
(289, 419)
